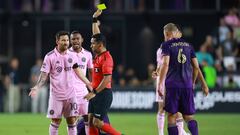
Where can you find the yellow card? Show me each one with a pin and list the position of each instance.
(101, 6)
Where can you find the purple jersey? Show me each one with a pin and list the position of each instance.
(180, 69)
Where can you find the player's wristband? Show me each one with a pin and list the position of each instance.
(94, 20)
(75, 66)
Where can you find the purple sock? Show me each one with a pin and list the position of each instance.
(80, 127)
(193, 127)
(106, 119)
(173, 130)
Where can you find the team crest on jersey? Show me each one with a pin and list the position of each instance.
(83, 59)
(96, 70)
(59, 69)
(70, 60)
(51, 112)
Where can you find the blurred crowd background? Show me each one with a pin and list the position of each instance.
(134, 32)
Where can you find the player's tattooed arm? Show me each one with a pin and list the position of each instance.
(95, 24)
(43, 77)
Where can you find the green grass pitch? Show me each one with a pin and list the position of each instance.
(128, 123)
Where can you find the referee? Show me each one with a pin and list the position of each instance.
(100, 99)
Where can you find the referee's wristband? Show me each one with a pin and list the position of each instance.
(94, 20)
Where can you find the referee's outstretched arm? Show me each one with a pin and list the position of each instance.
(95, 25)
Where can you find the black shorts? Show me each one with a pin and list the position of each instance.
(100, 104)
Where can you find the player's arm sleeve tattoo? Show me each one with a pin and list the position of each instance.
(43, 77)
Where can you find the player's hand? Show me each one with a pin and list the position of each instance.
(97, 13)
(33, 91)
(205, 89)
(160, 91)
(154, 74)
(89, 96)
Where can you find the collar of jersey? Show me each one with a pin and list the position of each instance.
(102, 53)
(57, 53)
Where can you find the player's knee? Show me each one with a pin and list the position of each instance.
(160, 108)
(57, 121)
(71, 120)
(97, 123)
(172, 118)
(188, 117)
(179, 115)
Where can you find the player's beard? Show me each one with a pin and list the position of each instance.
(63, 47)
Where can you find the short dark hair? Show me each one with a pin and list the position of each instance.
(75, 32)
(100, 38)
(61, 33)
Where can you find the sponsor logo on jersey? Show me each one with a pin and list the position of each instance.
(59, 69)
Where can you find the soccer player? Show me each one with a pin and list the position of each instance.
(101, 99)
(179, 70)
(58, 64)
(159, 99)
(85, 64)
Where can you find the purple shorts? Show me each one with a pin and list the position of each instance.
(180, 100)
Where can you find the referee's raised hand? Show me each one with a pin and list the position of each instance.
(97, 13)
